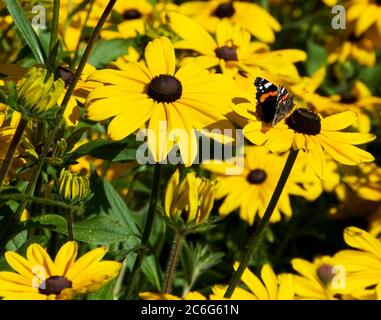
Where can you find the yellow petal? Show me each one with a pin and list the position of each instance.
(38, 256)
(20, 264)
(160, 57)
(270, 281)
(132, 118)
(65, 257)
(360, 239)
(338, 121)
(85, 262)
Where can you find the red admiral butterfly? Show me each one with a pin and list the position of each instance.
(273, 103)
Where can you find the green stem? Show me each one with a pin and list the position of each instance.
(42, 201)
(70, 221)
(12, 149)
(172, 263)
(55, 23)
(82, 31)
(257, 236)
(147, 231)
(57, 128)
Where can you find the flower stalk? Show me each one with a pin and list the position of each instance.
(257, 236)
(70, 220)
(12, 149)
(172, 262)
(147, 230)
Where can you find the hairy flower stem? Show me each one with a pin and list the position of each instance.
(257, 236)
(147, 231)
(172, 262)
(12, 149)
(30, 189)
(70, 221)
(55, 23)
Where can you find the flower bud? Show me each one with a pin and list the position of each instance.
(73, 187)
(37, 93)
(190, 200)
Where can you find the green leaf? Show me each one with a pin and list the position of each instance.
(106, 200)
(105, 150)
(26, 30)
(42, 240)
(371, 77)
(96, 230)
(317, 57)
(106, 51)
(104, 293)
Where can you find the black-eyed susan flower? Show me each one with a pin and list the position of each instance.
(359, 48)
(362, 264)
(306, 130)
(268, 286)
(364, 180)
(251, 190)
(365, 14)
(133, 15)
(317, 280)
(191, 200)
(38, 277)
(360, 100)
(248, 15)
(174, 103)
(232, 50)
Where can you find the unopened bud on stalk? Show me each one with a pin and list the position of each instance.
(190, 200)
(73, 187)
(37, 93)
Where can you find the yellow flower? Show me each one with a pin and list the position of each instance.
(191, 199)
(38, 277)
(72, 25)
(232, 50)
(306, 130)
(359, 99)
(317, 279)
(359, 48)
(170, 101)
(166, 296)
(365, 14)
(252, 189)
(364, 180)
(269, 287)
(248, 15)
(133, 14)
(362, 265)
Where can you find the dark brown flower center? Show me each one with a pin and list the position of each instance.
(54, 285)
(66, 75)
(224, 10)
(304, 121)
(165, 88)
(131, 14)
(256, 176)
(226, 53)
(348, 98)
(325, 274)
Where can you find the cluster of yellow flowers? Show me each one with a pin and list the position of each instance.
(200, 68)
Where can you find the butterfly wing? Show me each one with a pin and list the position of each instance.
(284, 104)
(266, 99)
